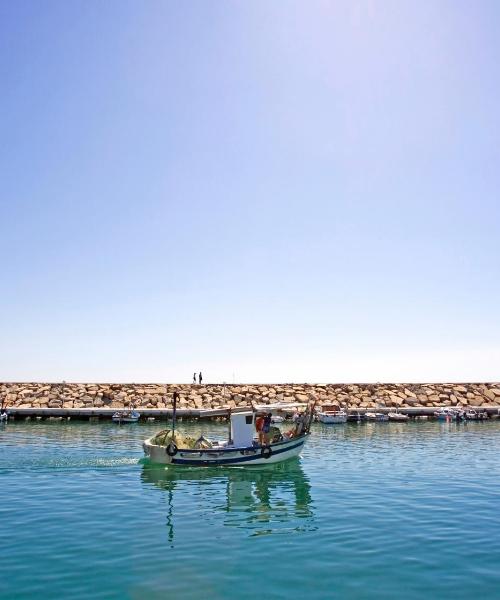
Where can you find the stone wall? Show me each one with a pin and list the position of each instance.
(88, 395)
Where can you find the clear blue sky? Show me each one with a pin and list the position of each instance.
(264, 191)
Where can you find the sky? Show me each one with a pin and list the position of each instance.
(262, 191)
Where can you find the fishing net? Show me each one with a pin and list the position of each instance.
(165, 437)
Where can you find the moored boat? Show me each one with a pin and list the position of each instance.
(446, 414)
(126, 416)
(472, 414)
(371, 416)
(397, 416)
(331, 414)
(330, 417)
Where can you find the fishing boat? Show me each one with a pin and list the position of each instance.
(370, 416)
(242, 447)
(126, 416)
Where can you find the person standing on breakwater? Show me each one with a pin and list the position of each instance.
(194, 377)
(200, 378)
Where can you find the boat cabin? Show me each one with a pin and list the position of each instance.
(242, 429)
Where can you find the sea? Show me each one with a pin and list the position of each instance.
(370, 510)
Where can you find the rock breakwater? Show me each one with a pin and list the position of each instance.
(192, 396)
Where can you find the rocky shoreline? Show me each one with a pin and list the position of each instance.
(198, 397)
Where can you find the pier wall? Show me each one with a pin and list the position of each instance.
(200, 397)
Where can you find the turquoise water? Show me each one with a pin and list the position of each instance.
(380, 510)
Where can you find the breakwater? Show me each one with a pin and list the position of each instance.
(39, 396)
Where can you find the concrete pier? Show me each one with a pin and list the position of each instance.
(165, 414)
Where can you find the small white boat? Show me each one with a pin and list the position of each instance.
(370, 416)
(4, 417)
(397, 416)
(126, 416)
(330, 417)
(241, 449)
(331, 414)
(475, 415)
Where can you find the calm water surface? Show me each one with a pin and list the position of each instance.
(370, 511)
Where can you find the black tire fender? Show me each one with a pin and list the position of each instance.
(266, 452)
(171, 449)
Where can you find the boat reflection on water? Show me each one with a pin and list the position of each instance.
(263, 500)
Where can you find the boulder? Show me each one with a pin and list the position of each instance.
(397, 401)
(478, 400)
(411, 401)
(490, 394)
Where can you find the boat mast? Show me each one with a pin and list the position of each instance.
(174, 413)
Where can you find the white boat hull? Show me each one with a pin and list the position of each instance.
(377, 417)
(132, 417)
(249, 456)
(331, 419)
(398, 417)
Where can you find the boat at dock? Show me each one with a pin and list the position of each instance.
(446, 414)
(242, 448)
(472, 414)
(397, 416)
(126, 416)
(331, 414)
(381, 417)
(332, 417)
